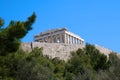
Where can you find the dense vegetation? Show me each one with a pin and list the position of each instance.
(85, 64)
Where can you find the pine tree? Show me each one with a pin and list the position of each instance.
(10, 36)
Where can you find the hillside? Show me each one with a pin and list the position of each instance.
(86, 62)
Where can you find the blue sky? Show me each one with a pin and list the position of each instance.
(97, 21)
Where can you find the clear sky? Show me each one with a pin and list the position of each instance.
(97, 21)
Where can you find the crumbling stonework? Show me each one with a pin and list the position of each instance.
(59, 35)
(60, 50)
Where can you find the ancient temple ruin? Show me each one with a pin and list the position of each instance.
(59, 35)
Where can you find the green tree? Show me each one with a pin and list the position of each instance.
(98, 59)
(79, 67)
(115, 66)
(59, 67)
(34, 66)
(1, 23)
(11, 35)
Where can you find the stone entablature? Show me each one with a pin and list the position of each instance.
(61, 35)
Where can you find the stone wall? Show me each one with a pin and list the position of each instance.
(53, 50)
(103, 50)
(60, 50)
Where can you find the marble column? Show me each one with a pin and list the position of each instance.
(80, 42)
(77, 41)
(65, 38)
(68, 38)
(58, 38)
(55, 39)
(52, 39)
(61, 38)
(72, 39)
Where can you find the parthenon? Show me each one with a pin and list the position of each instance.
(59, 35)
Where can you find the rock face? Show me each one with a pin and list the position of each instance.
(60, 50)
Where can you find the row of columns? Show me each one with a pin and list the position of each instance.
(72, 39)
(62, 38)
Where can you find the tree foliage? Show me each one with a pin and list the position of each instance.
(13, 33)
(36, 66)
(10, 37)
(98, 59)
(1, 23)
